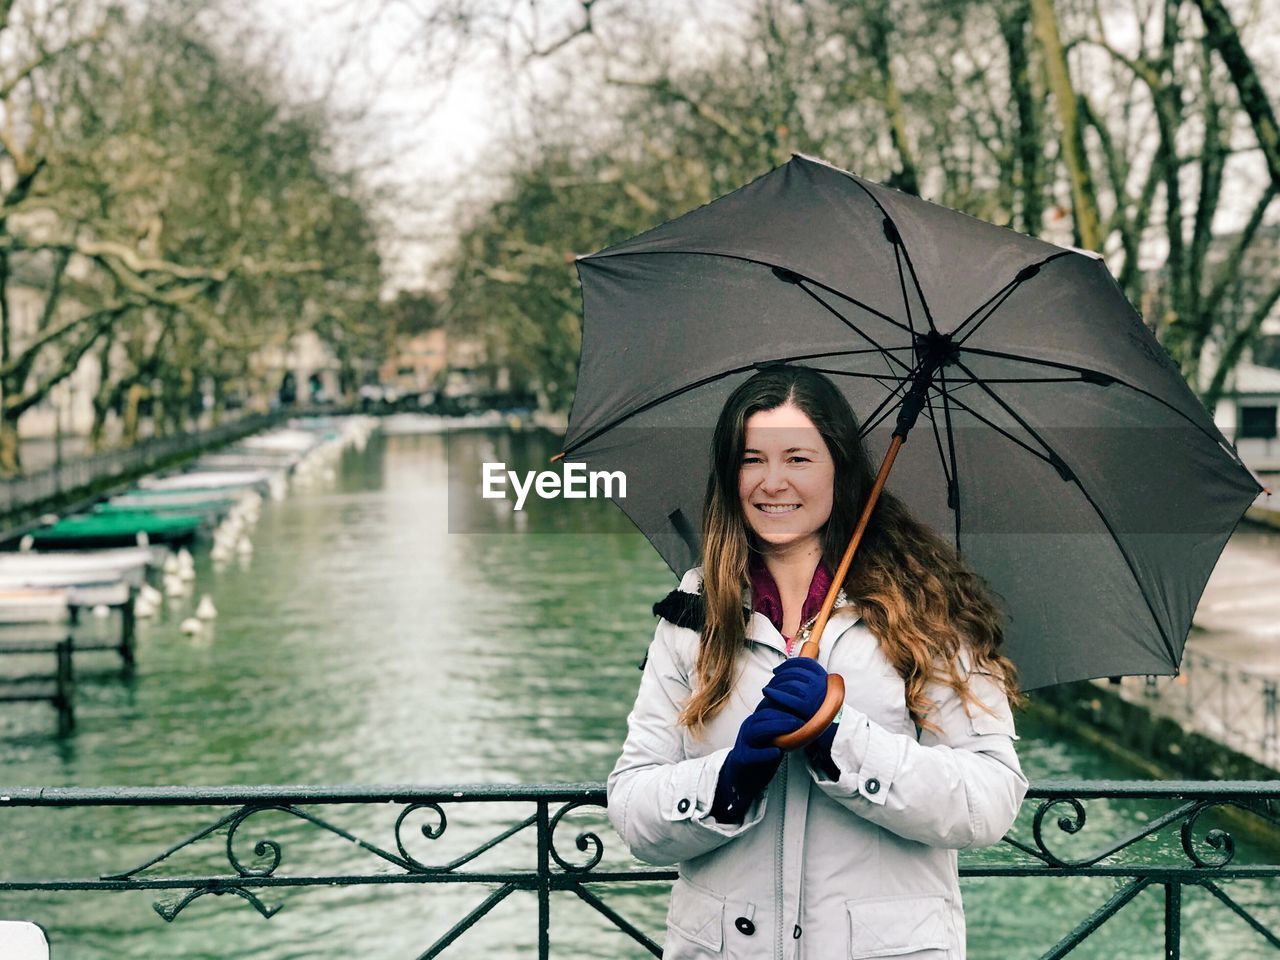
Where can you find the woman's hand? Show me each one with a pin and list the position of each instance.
(799, 686)
(752, 762)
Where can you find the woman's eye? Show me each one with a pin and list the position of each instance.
(800, 459)
(750, 459)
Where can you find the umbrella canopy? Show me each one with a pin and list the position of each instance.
(1058, 448)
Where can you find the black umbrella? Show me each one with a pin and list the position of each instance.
(1059, 448)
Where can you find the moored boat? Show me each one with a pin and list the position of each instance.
(221, 479)
(118, 529)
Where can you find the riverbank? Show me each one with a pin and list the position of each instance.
(77, 482)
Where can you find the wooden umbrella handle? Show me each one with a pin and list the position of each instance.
(834, 699)
(819, 722)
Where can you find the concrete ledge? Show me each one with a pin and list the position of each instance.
(1154, 743)
(1264, 516)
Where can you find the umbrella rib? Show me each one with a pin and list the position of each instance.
(878, 417)
(902, 283)
(969, 383)
(1086, 371)
(871, 422)
(1003, 294)
(953, 497)
(994, 303)
(937, 439)
(1000, 430)
(672, 394)
(906, 254)
(951, 446)
(849, 323)
(1168, 645)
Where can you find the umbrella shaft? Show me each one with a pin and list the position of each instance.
(810, 647)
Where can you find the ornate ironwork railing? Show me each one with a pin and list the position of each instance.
(1054, 838)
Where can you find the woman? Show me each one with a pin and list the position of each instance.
(848, 847)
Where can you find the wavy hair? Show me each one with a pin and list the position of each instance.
(916, 595)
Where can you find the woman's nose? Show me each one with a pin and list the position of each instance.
(775, 477)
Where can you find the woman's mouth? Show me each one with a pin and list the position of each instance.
(777, 508)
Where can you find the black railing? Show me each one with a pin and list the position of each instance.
(30, 492)
(1229, 702)
(1055, 838)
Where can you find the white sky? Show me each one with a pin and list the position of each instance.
(426, 120)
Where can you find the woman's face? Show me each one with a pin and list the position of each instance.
(786, 479)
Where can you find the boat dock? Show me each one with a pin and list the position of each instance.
(111, 553)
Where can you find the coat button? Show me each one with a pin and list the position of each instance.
(872, 785)
(683, 806)
(745, 926)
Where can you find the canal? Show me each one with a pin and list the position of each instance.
(384, 631)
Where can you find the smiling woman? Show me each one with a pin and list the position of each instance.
(848, 847)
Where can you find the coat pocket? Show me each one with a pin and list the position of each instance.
(898, 926)
(697, 914)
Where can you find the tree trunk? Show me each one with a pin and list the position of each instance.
(1028, 150)
(130, 419)
(219, 402)
(1083, 196)
(10, 452)
(906, 179)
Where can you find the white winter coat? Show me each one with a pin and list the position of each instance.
(857, 868)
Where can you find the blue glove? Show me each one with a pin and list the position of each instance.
(752, 762)
(799, 686)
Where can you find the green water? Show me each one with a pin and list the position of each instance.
(364, 642)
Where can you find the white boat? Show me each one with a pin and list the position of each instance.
(400, 424)
(282, 441)
(208, 479)
(56, 581)
(248, 460)
(33, 606)
(156, 499)
(59, 567)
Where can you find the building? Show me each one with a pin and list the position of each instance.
(418, 364)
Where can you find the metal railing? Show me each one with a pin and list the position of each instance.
(1057, 843)
(1228, 702)
(27, 492)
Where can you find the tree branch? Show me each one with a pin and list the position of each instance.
(1221, 34)
(1236, 343)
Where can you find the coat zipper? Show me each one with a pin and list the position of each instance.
(780, 865)
(779, 852)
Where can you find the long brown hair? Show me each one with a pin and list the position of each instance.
(916, 595)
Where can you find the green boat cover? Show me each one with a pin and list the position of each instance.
(119, 524)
